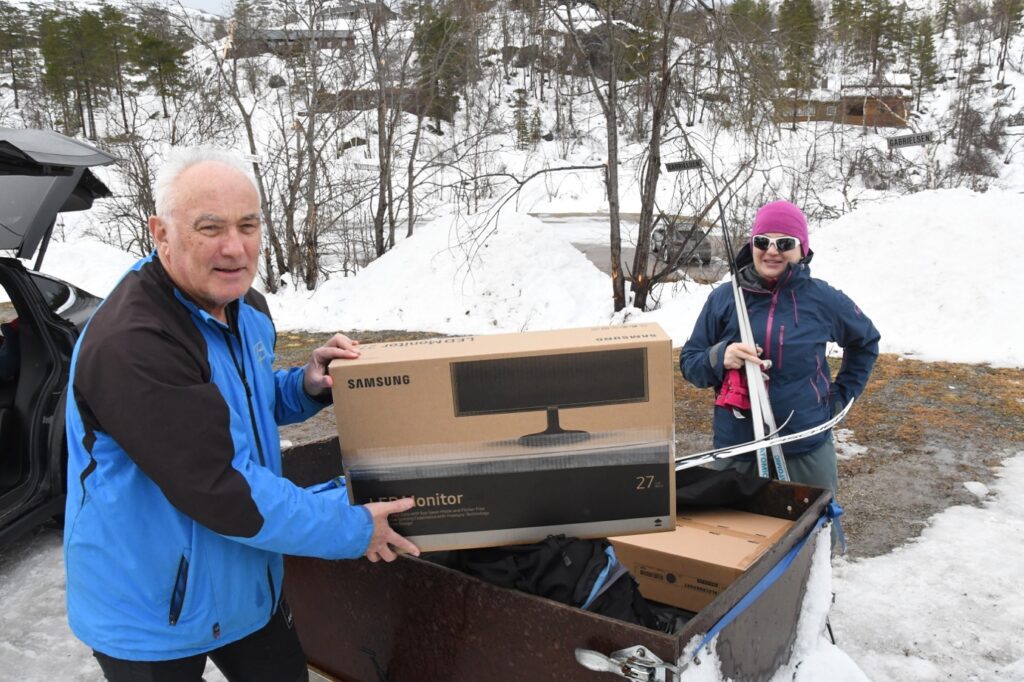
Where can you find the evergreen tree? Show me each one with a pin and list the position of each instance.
(947, 13)
(16, 40)
(844, 20)
(57, 33)
(79, 70)
(798, 27)
(519, 121)
(752, 18)
(117, 46)
(902, 30)
(93, 71)
(925, 70)
(1006, 15)
(440, 40)
(877, 33)
(751, 23)
(159, 53)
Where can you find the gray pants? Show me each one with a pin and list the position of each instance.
(818, 467)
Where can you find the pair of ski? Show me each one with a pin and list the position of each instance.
(772, 439)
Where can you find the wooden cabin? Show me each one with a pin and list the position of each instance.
(410, 100)
(353, 11)
(286, 42)
(879, 101)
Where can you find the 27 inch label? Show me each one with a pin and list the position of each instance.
(644, 482)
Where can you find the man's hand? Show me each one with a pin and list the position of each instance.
(738, 353)
(317, 381)
(385, 540)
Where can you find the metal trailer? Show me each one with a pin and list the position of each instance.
(416, 620)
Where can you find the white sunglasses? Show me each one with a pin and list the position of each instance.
(781, 244)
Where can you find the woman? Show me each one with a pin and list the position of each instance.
(793, 316)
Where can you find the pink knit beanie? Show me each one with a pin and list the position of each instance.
(784, 217)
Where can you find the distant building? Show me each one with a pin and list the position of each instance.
(286, 41)
(352, 11)
(882, 101)
(410, 100)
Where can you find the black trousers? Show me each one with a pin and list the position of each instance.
(271, 654)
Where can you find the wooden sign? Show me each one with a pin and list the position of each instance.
(689, 164)
(909, 140)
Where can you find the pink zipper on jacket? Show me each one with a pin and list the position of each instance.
(771, 319)
(782, 332)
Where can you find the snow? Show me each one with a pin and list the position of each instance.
(977, 488)
(87, 264)
(448, 278)
(937, 273)
(959, 617)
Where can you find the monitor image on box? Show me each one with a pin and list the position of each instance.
(548, 383)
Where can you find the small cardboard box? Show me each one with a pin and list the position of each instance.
(706, 552)
(509, 438)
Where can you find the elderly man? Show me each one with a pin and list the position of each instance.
(177, 515)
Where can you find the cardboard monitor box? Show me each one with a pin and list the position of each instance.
(509, 438)
(703, 555)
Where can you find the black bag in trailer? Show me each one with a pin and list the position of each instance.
(417, 620)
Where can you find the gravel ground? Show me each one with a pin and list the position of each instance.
(919, 432)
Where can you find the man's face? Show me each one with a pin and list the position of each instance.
(210, 244)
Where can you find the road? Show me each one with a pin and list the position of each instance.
(589, 232)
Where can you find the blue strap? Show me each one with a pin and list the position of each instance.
(600, 584)
(832, 511)
(840, 536)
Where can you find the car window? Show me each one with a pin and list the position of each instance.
(57, 294)
(20, 199)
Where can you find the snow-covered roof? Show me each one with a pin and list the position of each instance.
(294, 33)
(836, 86)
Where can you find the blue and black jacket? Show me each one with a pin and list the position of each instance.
(177, 514)
(792, 322)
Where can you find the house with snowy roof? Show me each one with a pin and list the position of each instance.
(881, 100)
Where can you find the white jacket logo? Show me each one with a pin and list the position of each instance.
(260, 351)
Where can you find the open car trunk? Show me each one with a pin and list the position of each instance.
(42, 174)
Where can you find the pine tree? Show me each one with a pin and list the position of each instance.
(752, 18)
(798, 26)
(844, 20)
(1006, 15)
(56, 44)
(519, 121)
(535, 130)
(16, 40)
(947, 13)
(925, 70)
(751, 25)
(118, 39)
(93, 71)
(159, 53)
(440, 39)
(877, 30)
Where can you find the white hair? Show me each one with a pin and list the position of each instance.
(181, 159)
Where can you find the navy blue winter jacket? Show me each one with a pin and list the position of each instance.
(177, 514)
(792, 322)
